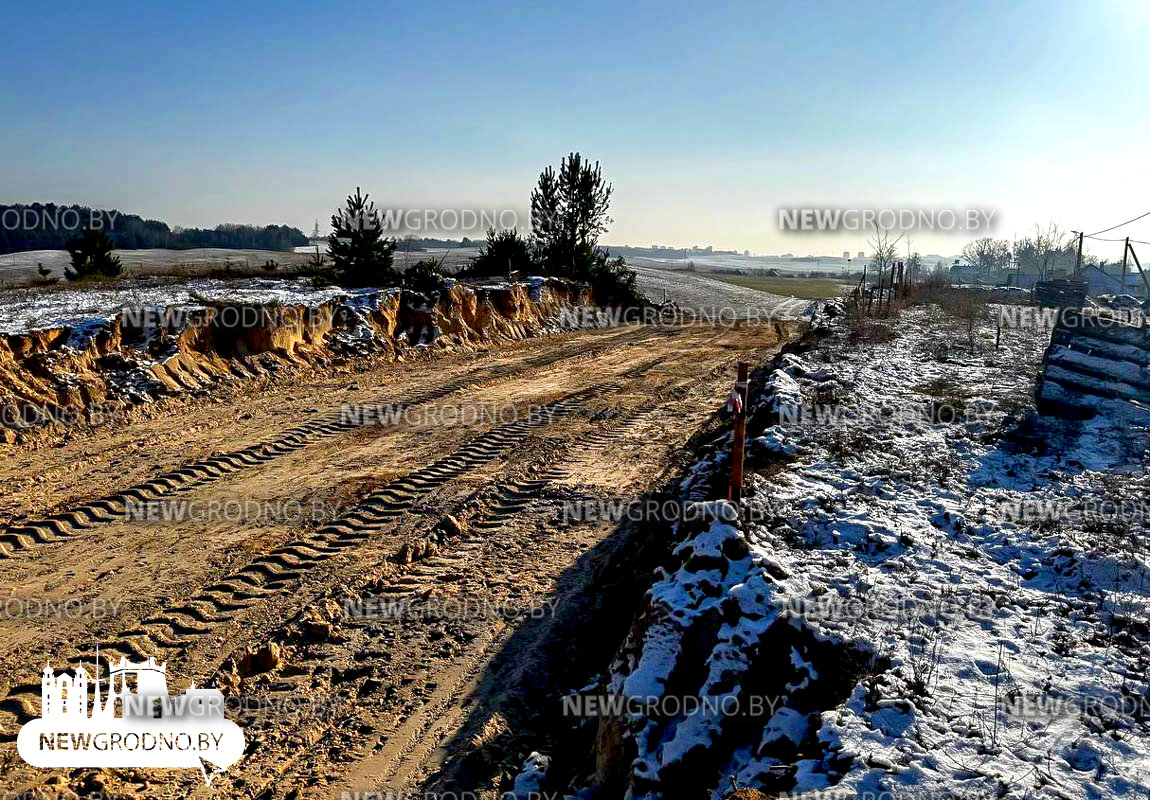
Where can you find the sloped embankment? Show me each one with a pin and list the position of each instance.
(111, 367)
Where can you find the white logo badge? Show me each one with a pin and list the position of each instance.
(136, 723)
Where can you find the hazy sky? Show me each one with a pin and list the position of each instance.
(706, 116)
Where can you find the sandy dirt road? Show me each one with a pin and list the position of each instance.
(375, 600)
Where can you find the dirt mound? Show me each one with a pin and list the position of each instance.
(107, 369)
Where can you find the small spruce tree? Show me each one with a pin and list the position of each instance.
(361, 255)
(91, 253)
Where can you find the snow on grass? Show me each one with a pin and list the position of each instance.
(32, 309)
(930, 583)
(1016, 638)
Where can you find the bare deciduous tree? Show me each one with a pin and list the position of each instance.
(1048, 245)
(914, 266)
(987, 254)
(884, 249)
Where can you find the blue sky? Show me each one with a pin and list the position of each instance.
(706, 116)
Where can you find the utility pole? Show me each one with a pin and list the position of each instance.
(1078, 259)
(1141, 271)
(1125, 256)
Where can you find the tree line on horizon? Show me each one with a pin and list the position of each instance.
(48, 226)
(1039, 253)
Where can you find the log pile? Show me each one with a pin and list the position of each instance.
(1092, 362)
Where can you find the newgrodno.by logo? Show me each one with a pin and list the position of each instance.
(135, 724)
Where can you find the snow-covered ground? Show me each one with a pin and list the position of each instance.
(945, 595)
(714, 297)
(25, 264)
(30, 309)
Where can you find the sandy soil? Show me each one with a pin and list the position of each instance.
(312, 518)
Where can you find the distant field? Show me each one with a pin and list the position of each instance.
(17, 268)
(812, 288)
(21, 268)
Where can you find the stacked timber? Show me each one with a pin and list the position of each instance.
(1060, 294)
(1094, 361)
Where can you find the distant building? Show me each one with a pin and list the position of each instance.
(747, 252)
(862, 254)
(1023, 280)
(1100, 282)
(965, 273)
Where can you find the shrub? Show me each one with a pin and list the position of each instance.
(504, 251)
(426, 278)
(92, 257)
(612, 280)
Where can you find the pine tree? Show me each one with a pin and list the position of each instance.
(91, 253)
(361, 255)
(569, 213)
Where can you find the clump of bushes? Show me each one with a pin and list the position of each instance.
(568, 214)
(426, 278)
(504, 252)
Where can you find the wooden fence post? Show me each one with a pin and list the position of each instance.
(738, 444)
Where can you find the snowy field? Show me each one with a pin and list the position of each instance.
(30, 309)
(709, 296)
(945, 594)
(24, 266)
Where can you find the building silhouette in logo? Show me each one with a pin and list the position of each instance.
(134, 691)
(128, 721)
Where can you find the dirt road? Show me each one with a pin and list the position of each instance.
(366, 565)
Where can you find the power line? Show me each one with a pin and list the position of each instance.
(1119, 225)
(1104, 239)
